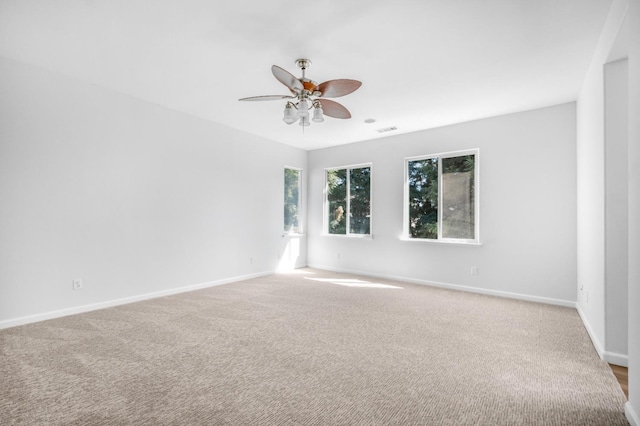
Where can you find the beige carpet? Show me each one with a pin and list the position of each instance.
(312, 348)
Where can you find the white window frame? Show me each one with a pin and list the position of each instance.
(325, 221)
(406, 235)
(300, 230)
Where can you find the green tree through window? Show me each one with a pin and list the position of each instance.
(348, 202)
(291, 200)
(441, 197)
(359, 203)
(423, 198)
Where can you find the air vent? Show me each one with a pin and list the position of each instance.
(387, 129)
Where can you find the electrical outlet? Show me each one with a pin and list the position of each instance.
(251, 261)
(338, 255)
(474, 270)
(77, 284)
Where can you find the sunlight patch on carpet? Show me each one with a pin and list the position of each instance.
(353, 283)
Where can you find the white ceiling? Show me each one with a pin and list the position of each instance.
(423, 63)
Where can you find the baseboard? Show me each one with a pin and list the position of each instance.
(632, 415)
(14, 322)
(510, 295)
(616, 359)
(594, 339)
(610, 357)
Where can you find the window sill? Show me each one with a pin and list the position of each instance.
(449, 242)
(355, 236)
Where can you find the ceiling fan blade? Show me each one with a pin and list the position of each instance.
(337, 88)
(334, 109)
(286, 78)
(267, 98)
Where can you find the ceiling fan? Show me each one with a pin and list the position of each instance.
(308, 94)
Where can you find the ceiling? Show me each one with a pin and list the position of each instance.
(423, 63)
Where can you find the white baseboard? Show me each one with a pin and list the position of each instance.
(507, 294)
(13, 322)
(610, 357)
(594, 339)
(632, 415)
(616, 359)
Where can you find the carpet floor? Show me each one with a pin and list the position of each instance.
(309, 348)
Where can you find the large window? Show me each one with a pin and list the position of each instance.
(348, 201)
(292, 201)
(441, 197)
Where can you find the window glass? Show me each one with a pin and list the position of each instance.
(337, 201)
(348, 201)
(291, 200)
(423, 198)
(440, 197)
(458, 210)
(360, 188)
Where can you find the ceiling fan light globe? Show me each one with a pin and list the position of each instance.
(304, 121)
(318, 117)
(290, 115)
(303, 108)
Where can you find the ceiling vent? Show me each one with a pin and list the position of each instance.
(387, 129)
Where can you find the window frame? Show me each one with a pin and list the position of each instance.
(325, 209)
(406, 235)
(300, 228)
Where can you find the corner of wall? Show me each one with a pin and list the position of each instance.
(598, 346)
(632, 415)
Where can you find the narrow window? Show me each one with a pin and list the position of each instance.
(441, 200)
(348, 201)
(292, 201)
(423, 198)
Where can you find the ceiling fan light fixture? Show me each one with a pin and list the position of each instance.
(303, 108)
(304, 120)
(290, 114)
(318, 117)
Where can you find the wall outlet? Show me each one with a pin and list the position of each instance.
(338, 255)
(474, 270)
(251, 261)
(77, 284)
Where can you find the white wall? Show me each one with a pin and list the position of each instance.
(616, 210)
(591, 142)
(591, 184)
(131, 197)
(527, 207)
(633, 406)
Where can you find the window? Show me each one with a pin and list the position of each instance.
(441, 197)
(292, 201)
(348, 201)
